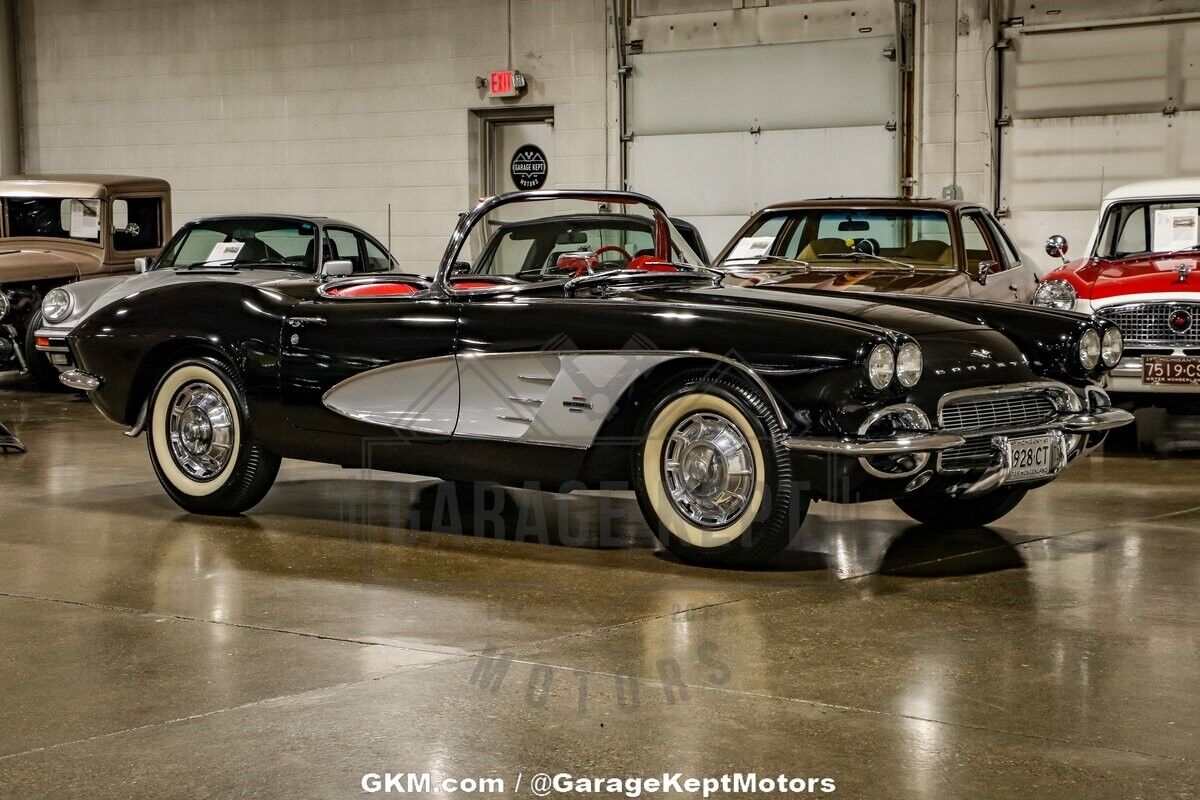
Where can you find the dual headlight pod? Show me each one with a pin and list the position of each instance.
(1095, 349)
(56, 305)
(884, 364)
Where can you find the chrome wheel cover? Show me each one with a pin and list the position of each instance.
(708, 469)
(200, 431)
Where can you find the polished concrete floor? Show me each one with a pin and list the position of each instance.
(351, 624)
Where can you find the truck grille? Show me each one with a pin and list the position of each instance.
(1024, 410)
(1148, 323)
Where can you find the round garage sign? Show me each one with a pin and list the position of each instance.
(529, 167)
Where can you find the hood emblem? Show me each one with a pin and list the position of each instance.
(1180, 320)
(979, 352)
(1184, 271)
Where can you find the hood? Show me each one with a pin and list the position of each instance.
(30, 264)
(93, 295)
(1096, 279)
(848, 307)
(939, 283)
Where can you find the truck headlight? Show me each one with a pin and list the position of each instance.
(881, 366)
(1112, 346)
(56, 306)
(1089, 349)
(5, 305)
(1059, 295)
(909, 365)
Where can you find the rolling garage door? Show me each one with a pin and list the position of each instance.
(725, 115)
(1088, 111)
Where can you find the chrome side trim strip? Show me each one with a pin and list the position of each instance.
(537, 379)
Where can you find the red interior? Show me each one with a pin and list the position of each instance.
(383, 289)
(650, 264)
(475, 283)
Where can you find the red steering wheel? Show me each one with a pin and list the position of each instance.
(614, 248)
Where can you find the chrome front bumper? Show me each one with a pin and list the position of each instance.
(1083, 422)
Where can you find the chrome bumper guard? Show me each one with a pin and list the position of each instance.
(79, 380)
(1095, 421)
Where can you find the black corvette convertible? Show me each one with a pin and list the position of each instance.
(727, 410)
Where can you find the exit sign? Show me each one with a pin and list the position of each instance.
(505, 83)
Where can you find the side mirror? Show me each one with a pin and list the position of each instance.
(141, 264)
(338, 269)
(1056, 247)
(460, 268)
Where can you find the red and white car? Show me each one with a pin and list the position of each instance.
(1142, 271)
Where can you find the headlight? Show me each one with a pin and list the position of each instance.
(56, 306)
(1112, 346)
(5, 305)
(909, 364)
(1089, 349)
(1055, 294)
(881, 366)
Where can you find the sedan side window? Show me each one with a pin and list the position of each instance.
(377, 259)
(342, 245)
(977, 243)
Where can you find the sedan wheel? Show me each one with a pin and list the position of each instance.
(202, 444)
(713, 478)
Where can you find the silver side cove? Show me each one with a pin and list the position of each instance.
(543, 397)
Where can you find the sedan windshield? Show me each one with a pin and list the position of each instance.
(826, 236)
(243, 241)
(1144, 227)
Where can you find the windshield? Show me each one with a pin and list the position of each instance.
(53, 217)
(540, 240)
(243, 241)
(827, 236)
(1149, 226)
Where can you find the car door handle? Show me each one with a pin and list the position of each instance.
(299, 322)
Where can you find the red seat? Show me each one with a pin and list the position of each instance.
(384, 289)
(650, 264)
(466, 285)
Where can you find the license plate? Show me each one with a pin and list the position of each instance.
(1171, 370)
(1031, 458)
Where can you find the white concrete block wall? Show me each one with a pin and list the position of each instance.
(312, 106)
(939, 142)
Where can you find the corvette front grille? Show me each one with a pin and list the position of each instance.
(1015, 411)
(1147, 323)
(987, 412)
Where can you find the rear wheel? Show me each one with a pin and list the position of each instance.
(44, 374)
(713, 477)
(202, 443)
(940, 510)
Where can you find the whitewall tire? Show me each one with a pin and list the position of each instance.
(201, 442)
(713, 477)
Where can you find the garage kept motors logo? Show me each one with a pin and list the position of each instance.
(529, 167)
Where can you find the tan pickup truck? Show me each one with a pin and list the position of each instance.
(55, 229)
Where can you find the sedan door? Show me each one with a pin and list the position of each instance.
(1003, 280)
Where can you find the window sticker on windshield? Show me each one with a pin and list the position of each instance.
(752, 247)
(225, 251)
(1175, 229)
(85, 219)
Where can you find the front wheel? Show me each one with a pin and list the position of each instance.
(713, 477)
(940, 510)
(201, 441)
